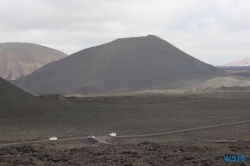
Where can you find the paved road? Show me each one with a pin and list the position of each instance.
(42, 141)
(185, 130)
(102, 139)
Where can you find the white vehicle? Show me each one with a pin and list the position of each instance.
(52, 138)
(112, 134)
(91, 137)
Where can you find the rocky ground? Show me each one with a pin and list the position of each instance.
(143, 153)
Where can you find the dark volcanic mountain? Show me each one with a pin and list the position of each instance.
(21, 59)
(126, 64)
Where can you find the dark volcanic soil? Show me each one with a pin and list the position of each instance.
(125, 115)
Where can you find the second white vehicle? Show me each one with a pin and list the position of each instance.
(112, 134)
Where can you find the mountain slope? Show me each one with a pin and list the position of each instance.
(126, 64)
(21, 59)
(14, 102)
(242, 62)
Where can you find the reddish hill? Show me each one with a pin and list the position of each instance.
(242, 62)
(20, 59)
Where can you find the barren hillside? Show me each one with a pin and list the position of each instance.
(20, 59)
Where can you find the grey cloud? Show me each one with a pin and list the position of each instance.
(200, 28)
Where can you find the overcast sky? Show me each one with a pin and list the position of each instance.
(214, 31)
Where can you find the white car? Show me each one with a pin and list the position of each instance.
(52, 138)
(91, 137)
(112, 134)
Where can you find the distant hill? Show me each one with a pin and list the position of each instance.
(242, 62)
(20, 59)
(126, 64)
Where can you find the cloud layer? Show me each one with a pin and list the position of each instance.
(213, 31)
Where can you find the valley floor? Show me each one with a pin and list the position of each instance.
(133, 115)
